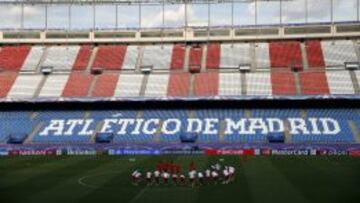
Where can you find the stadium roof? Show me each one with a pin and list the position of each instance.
(125, 1)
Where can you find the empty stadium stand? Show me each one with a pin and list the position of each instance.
(314, 53)
(12, 58)
(61, 58)
(285, 54)
(110, 57)
(337, 52)
(83, 58)
(215, 73)
(78, 85)
(178, 57)
(33, 59)
(167, 125)
(128, 85)
(213, 56)
(158, 57)
(233, 55)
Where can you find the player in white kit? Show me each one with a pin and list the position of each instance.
(225, 176)
(231, 173)
(149, 178)
(192, 175)
(201, 178)
(157, 176)
(136, 175)
(166, 177)
(214, 176)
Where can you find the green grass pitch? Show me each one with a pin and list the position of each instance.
(90, 179)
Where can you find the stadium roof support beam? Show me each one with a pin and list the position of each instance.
(183, 35)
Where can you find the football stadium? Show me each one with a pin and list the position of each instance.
(179, 101)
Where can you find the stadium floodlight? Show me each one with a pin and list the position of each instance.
(97, 70)
(352, 65)
(46, 70)
(244, 67)
(146, 69)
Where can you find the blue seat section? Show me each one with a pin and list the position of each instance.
(344, 136)
(349, 114)
(219, 113)
(276, 113)
(170, 113)
(357, 123)
(47, 115)
(13, 122)
(14, 125)
(113, 114)
(15, 114)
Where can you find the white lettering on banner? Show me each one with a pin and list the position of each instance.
(165, 128)
(298, 126)
(138, 124)
(56, 126)
(210, 124)
(106, 128)
(72, 123)
(85, 130)
(124, 125)
(232, 126)
(335, 126)
(171, 126)
(272, 122)
(191, 122)
(258, 124)
(314, 126)
(147, 124)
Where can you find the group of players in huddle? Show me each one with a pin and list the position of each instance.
(166, 173)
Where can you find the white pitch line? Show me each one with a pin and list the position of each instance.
(80, 181)
(139, 194)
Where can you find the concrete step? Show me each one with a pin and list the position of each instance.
(304, 56)
(92, 59)
(355, 131)
(35, 131)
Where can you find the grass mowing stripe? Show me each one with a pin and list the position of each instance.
(30, 163)
(110, 169)
(13, 177)
(267, 183)
(335, 180)
(51, 177)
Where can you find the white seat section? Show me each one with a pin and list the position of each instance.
(128, 85)
(25, 86)
(258, 83)
(262, 55)
(130, 59)
(229, 84)
(340, 82)
(33, 58)
(233, 55)
(336, 53)
(54, 86)
(61, 57)
(157, 85)
(157, 56)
